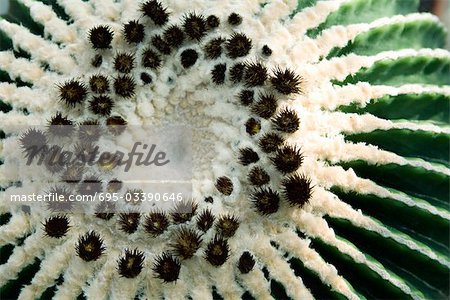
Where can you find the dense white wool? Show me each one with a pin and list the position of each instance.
(219, 133)
(18, 224)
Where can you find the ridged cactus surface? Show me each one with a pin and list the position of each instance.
(321, 161)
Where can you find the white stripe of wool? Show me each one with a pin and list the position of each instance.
(25, 97)
(39, 48)
(58, 29)
(339, 35)
(299, 248)
(18, 226)
(328, 204)
(317, 227)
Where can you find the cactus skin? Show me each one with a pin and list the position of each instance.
(371, 151)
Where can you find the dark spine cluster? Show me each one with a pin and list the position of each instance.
(124, 62)
(238, 45)
(90, 246)
(297, 190)
(287, 121)
(213, 49)
(258, 177)
(218, 73)
(255, 74)
(188, 58)
(246, 97)
(234, 19)
(97, 61)
(224, 185)
(72, 92)
(60, 125)
(227, 225)
(237, 72)
(248, 156)
(124, 86)
(252, 126)
(246, 262)
(156, 223)
(90, 185)
(101, 37)
(266, 106)
(101, 105)
(205, 220)
(56, 226)
(99, 84)
(161, 44)
(108, 161)
(217, 251)
(31, 140)
(187, 242)
(286, 81)
(167, 267)
(287, 159)
(184, 211)
(89, 131)
(134, 32)
(194, 26)
(151, 59)
(116, 125)
(266, 201)
(266, 51)
(146, 78)
(114, 186)
(105, 210)
(129, 222)
(72, 174)
(174, 35)
(212, 21)
(155, 11)
(270, 142)
(130, 265)
(60, 206)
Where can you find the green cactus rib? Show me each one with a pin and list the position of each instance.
(413, 267)
(430, 186)
(12, 288)
(318, 289)
(403, 35)
(302, 4)
(50, 291)
(4, 218)
(363, 279)
(415, 69)
(416, 222)
(398, 141)
(426, 106)
(4, 77)
(365, 11)
(5, 107)
(277, 290)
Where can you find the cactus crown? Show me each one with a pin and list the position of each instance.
(320, 161)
